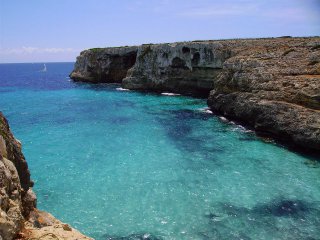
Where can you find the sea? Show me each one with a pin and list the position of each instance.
(118, 164)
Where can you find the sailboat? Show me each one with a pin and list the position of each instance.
(44, 68)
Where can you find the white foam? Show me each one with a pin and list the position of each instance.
(223, 119)
(241, 128)
(170, 94)
(122, 89)
(206, 110)
(248, 131)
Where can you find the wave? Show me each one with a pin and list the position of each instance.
(122, 89)
(223, 119)
(206, 110)
(170, 94)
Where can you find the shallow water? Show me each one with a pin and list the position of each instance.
(119, 163)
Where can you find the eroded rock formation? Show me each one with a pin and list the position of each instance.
(178, 67)
(108, 65)
(17, 200)
(271, 84)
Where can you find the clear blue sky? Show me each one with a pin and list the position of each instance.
(57, 30)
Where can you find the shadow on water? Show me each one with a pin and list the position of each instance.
(281, 218)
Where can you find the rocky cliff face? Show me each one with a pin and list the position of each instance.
(17, 200)
(274, 86)
(104, 64)
(270, 84)
(178, 67)
(16, 197)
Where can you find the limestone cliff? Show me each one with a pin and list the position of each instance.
(104, 64)
(19, 217)
(271, 84)
(274, 86)
(178, 67)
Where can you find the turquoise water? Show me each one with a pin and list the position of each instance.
(119, 164)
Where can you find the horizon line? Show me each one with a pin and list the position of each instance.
(181, 41)
(37, 62)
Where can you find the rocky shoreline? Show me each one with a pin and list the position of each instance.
(270, 84)
(20, 219)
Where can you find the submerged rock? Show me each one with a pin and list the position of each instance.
(260, 221)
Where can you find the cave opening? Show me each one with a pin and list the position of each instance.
(186, 50)
(195, 59)
(119, 67)
(178, 63)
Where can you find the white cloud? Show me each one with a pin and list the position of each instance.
(36, 50)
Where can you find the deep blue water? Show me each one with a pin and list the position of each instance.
(115, 163)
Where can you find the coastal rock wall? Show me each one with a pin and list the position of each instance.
(179, 67)
(270, 84)
(104, 65)
(17, 200)
(274, 86)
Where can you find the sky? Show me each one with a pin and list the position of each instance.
(57, 30)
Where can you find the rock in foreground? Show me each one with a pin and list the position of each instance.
(17, 200)
(44, 226)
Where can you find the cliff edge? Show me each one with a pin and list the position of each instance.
(270, 84)
(273, 86)
(19, 218)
